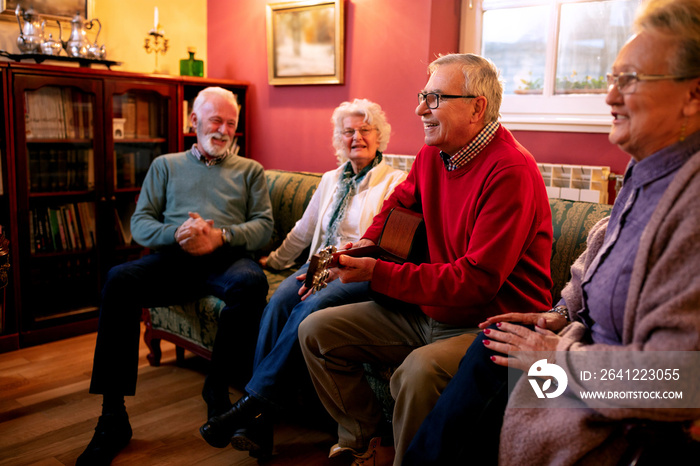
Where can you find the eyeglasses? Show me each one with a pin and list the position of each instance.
(364, 131)
(432, 100)
(626, 83)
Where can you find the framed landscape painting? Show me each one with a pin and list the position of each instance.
(305, 42)
(63, 10)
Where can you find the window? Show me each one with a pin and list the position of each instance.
(553, 56)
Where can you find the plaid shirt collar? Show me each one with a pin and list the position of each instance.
(209, 162)
(471, 150)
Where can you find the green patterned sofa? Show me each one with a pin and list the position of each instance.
(192, 325)
(571, 221)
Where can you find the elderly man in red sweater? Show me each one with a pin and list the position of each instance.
(489, 239)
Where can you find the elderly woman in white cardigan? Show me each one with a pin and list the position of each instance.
(339, 212)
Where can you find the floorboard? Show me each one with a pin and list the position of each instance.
(47, 416)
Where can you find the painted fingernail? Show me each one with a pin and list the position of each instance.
(487, 342)
(498, 324)
(487, 331)
(492, 358)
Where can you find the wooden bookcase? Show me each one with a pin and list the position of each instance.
(76, 149)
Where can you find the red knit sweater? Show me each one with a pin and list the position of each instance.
(489, 233)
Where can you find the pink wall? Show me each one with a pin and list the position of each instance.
(388, 45)
(574, 149)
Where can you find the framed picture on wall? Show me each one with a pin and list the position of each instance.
(63, 10)
(305, 42)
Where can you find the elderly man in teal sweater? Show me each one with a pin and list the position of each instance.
(202, 212)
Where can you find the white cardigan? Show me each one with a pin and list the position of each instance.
(376, 186)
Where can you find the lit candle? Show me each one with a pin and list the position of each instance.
(155, 19)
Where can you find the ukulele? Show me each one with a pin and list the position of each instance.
(402, 240)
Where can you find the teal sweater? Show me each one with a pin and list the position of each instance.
(233, 193)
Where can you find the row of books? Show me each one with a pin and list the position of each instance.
(58, 113)
(68, 227)
(131, 167)
(61, 170)
(140, 114)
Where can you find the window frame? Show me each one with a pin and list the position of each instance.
(587, 113)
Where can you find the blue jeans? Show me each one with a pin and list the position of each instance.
(465, 424)
(167, 278)
(278, 361)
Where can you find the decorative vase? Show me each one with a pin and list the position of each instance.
(191, 66)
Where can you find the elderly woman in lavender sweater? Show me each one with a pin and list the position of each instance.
(636, 289)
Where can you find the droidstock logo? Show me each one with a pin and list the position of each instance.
(544, 369)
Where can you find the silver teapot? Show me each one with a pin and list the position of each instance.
(77, 43)
(53, 46)
(31, 30)
(95, 51)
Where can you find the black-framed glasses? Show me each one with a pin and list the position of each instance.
(364, 131)
(432, 99)
(626, 83)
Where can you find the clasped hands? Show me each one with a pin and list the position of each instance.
(349, 270)
(511, 340)
(197, 236)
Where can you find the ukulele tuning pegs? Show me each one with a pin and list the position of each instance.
(320, 283)
(317, 273)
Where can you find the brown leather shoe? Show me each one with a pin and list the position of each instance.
(375, 455)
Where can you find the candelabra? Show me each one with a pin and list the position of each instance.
(156, 43)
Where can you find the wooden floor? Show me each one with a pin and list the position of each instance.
(47, 416)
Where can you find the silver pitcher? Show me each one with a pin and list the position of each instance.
(94, 50)
(31, 30)
(77, 43)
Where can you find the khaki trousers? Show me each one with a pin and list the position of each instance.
(337, 341)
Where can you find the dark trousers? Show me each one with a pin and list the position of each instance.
(168, 278)
(465, 424)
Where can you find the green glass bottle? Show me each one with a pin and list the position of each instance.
(191, 66)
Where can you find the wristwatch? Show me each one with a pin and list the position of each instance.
(226, 235)
(561, 310)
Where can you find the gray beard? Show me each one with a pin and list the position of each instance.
(209, 148)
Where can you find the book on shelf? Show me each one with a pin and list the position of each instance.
(32, 235)
(34, 170)
(89, 171)
(52, 170)
(41, 242)
(87, 221)
(186, 110)
(129, 113)
(119, 228)
(71, 241)
(122, 218)
(68, 113)
(45, 114)
(61, 173)
(89, 117)
(125, 173)
(79, 114)
(57, 236)
(72, 212)
(143, 116)
(68, 227)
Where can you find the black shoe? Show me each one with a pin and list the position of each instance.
(112, 434)
(256, 438)
(218, 430)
